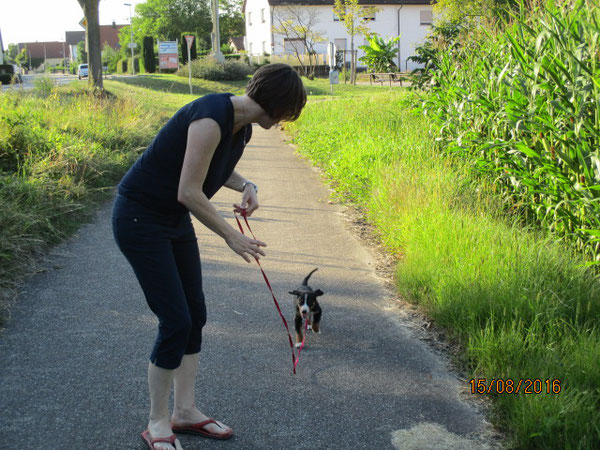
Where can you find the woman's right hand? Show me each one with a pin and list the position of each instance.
(245, 246)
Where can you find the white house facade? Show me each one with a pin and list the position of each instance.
(409, 19)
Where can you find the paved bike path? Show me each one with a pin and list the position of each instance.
(73, 357)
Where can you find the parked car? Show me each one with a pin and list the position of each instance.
(82, 71)
(9, 74)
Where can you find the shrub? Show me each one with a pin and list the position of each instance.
(184, 48)
(209, 68)
(44, 85)
(149, 57)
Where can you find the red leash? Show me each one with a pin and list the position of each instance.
(295, 358)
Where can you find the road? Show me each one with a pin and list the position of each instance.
(29, 80)
(73, 356)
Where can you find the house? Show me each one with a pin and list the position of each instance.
(52, 53)
(237, 44)
(109, 35)
(72, 38)
(409, 19)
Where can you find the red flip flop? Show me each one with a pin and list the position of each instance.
(198, 429)
(150, 441)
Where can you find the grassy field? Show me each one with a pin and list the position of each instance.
(520, 305)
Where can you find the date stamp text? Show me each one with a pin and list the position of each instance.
(515, 386)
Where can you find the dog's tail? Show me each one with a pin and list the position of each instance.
(305, 282)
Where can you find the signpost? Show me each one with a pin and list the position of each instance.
(334, 75)
(168, 56)
(189, 38)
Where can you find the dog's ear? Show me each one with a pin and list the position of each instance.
(318, 292)
(295, 292)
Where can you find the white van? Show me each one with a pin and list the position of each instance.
(82, 71)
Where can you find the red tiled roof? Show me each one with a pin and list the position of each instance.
(48, 49)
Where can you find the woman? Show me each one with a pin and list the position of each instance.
(189, 160)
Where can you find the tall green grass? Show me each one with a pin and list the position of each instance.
(61, 151)
(520, 304)
(520, 103)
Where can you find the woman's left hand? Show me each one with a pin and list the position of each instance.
(249, 201)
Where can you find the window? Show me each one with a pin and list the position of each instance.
(249, 18)
(294, 46)
(340, 44)
(426, 17)
(264, 46)
(369, 16)
(262, 15)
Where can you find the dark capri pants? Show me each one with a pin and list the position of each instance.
(163, 252)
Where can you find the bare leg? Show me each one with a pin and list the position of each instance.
(184, 410)
(159, 384)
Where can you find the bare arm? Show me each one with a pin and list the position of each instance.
(249, 193)
(203, 137)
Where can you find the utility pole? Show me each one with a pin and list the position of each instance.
(131, 44)
(215, 37)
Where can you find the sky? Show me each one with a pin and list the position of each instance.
(47, 20)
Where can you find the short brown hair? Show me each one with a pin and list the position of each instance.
(278, 89)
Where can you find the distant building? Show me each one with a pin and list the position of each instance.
(109, 34)
(57, 53)
(237, 44)
(52, 53)
(409, 19)
(72, 38)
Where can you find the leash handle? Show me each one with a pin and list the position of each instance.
(295, 358)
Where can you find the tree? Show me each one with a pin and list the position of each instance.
(149, 57)
(22, 59)
(354, 18)
(92, 39)
(82, 56)
(231, 20)
(110, 58)
(167, 19)
(299, 26)
(379, 54)
(12, 52)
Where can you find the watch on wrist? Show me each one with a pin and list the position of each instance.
(252, 184)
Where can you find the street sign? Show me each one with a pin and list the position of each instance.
(189, 38)
(168, 57)
(83, 23)
(132, 45)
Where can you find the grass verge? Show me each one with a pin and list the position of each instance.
(519, 304)
(61, 151)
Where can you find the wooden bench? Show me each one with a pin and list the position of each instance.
(385, 77)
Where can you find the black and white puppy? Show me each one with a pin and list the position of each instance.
(307, 307)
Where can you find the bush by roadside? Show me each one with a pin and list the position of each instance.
(61, 151)
(209, 68)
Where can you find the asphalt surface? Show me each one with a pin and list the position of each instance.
(73, 356)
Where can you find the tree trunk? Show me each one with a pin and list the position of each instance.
(92, 40)
(352, 60)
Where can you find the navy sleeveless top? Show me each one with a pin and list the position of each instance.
(153, 180)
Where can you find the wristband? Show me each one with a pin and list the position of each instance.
(251, 183)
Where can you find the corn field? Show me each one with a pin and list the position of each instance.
(521, 104)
